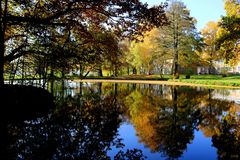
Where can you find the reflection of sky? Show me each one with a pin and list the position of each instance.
(200, 148)
(128, 134)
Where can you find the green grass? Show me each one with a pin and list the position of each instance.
(232, 80)
(133, 77)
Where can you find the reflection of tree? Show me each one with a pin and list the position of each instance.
(141, 113)
(85, 125)
(20, 103)
(211, 111)
(227, 139)
(165, 125)
(224, 130)
(176, 123)
(134, 154)
(72, 132)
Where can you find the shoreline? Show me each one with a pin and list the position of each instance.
(156, 82)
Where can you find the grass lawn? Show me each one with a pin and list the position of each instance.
(135, 77)
(231, 80)
(213, 80)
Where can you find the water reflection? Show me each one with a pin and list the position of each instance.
(227, 139)
(85, 123)
(82, 127)
(165, 123)
(72, 132)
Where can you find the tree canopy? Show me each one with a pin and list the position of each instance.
(229, 32)
(210, 53)
(23, 22)
(173, 44)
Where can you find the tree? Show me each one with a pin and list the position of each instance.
(232, 7)
(229, 33)
(228, 134)
(124, 46)
(209, 34)
(179, 35)
(123, 18)
(163, 55)
(142, 53)
(113, 53)
(162, 123)
(104, 47)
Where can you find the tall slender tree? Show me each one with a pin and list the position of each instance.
(179, 35)
(209, 34)
(143, 52)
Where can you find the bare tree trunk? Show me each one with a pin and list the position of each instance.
(115, 70)
(45, 72)
(210, 67)
(63, 73)
(175, 65)
(134, 70)
(81, 71)
(175, 53)
(51, 86)
(161, 71)
(2, 45)
(2, 48)
(51, 73)
(23, 70)
(100, 74)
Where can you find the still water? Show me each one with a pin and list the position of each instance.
(128, 122)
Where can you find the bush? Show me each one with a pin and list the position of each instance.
(187, 76)
(224, 75)
(188, 73)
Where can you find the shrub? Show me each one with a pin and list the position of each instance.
(187, 76)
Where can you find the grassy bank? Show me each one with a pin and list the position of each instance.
(213, 80)
(134, 77)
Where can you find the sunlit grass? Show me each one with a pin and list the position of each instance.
(231, 80)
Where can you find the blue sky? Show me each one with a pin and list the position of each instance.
(203, 10)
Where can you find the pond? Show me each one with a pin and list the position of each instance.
(130, 121)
